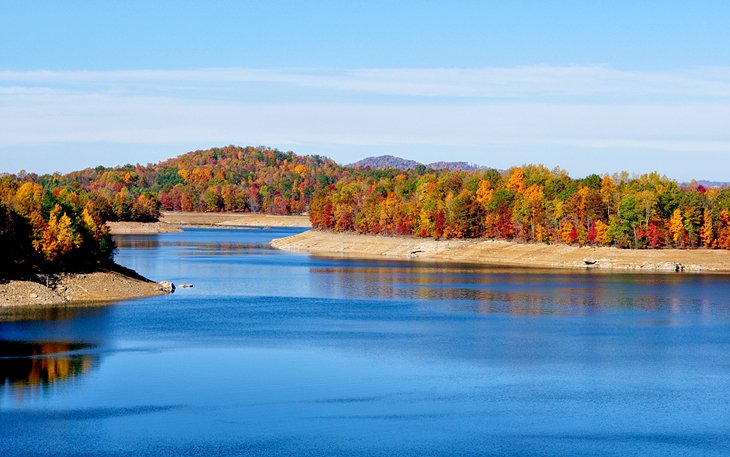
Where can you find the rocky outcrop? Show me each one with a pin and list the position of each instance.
(167, 286)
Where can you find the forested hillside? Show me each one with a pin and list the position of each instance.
(242, 179)
(232, 178)
(530, 203)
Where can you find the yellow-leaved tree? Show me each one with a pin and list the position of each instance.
(706, 231)
(484, 192)
(676, 228)
(28, 198)
(59, 237)
(602, 235)
(723, 231)
(517, 180)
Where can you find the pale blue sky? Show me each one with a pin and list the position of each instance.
(587, 86)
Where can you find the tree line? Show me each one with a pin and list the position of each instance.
(528, 203)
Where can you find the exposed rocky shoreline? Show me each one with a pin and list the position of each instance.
(498, 252)
(112, 284)
(173, 221)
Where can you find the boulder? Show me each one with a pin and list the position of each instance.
(167, 286)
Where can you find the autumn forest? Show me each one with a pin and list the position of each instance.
(530, 204)
(57, 221)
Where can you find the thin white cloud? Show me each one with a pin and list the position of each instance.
(579, 108)
(535, 82)
(41, 118)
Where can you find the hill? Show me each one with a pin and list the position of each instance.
(232, 178)
(454, 166)
(710, 184)
(389, 161)
(384, 162)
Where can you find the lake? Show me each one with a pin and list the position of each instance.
(278, 353)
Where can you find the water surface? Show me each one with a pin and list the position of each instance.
(276, 353)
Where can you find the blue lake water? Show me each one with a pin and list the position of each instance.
(277, 353)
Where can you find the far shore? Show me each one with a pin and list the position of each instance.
(174, 221)
(506, 253)
(106, 285)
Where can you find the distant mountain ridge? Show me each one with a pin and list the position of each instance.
(709, 184)
(389, 161)
(385, 161)
(455, 166)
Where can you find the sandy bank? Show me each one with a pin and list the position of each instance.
(141, 228)
(495, 252)
(175, 221)
(234, 219)
(70, 288)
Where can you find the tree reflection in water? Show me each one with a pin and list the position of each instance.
(37, 365)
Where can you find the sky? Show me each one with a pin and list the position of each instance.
(587, 86)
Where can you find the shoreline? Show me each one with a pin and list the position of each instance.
(174, 221)
(96, 287)
(506, 253)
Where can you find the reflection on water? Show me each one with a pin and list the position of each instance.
(49, 312)
(219, 247)
(236, 263)
(37, 365)
(520, 291)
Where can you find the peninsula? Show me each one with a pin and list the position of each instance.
(94, 287)
(506, 253)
